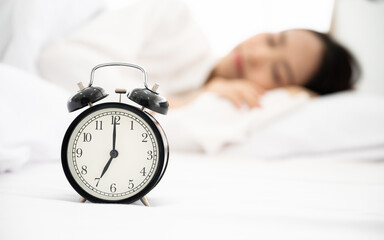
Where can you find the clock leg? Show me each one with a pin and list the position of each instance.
(82, 200)
(145, 201)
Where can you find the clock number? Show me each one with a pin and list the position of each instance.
(145, 136)
(112, 188)
(131, 125)
(150, 156)
(130, 184)
(143, 171)
(79, 152)
(87, 137)
(84, 170)
(98, 180)
(99, 125)
(116, 119)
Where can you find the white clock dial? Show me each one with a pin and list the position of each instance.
(113, 154)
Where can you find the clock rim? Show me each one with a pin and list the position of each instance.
(162, 148)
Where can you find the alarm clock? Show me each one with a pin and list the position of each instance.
(114, 152)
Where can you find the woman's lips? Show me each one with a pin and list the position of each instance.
(238, 60)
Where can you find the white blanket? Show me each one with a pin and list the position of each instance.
(34, 118)
(210, 123)
(27, 26)
(160, 36)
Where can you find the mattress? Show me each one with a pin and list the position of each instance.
(337, 196)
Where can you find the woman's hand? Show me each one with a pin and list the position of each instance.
(238, 91)
(294, 90)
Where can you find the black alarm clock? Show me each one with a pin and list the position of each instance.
(114, 152)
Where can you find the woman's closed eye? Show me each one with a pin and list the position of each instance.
(270, 40)
(274, 40)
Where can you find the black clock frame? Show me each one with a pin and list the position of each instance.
(162, 156)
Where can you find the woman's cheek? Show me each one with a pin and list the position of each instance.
(261, 78)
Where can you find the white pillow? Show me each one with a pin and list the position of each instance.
(211, 123)
(34, 118)
(29, 25)
(338, 123)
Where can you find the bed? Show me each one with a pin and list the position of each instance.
(305, 169)
(338, 196)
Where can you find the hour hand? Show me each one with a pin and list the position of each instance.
(106, 167)
(113, 153)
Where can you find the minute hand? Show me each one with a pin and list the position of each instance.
(114, 136)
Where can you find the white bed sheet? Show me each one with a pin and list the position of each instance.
(209, 197)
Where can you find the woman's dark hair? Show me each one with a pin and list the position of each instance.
(338, 68)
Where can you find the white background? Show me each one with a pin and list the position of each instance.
(229, 22)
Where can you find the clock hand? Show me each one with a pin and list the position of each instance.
(106, 167)
(113, 153)
(114, 136)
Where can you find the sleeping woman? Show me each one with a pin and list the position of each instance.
(310, 60)
(162, 37)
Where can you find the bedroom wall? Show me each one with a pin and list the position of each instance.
(228, 22)
(359, 24)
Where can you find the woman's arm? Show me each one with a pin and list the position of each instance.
(239, 91)
(294, 90)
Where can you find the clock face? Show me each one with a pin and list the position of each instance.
(113, 152)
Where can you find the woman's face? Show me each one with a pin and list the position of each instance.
(273, 60)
